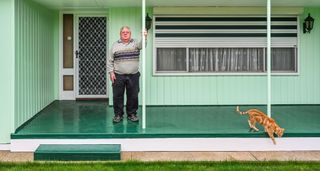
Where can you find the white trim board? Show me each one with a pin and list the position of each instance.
(182, 144)
(5, 147)
(226, 10)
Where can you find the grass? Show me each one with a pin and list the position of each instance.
(162, 166)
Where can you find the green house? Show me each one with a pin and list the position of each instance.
(199, 56)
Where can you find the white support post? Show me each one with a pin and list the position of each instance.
(143, 65)
(269, 57)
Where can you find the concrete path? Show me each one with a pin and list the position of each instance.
(221, 156)
(191, 156)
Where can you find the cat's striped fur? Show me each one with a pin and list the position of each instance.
(270, 126)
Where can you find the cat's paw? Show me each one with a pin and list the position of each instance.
(252, 130)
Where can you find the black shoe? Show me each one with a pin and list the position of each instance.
(133, 118)
(117, 119)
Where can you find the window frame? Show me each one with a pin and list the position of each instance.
(187, 73)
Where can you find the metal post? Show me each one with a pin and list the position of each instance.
(143, 65)
(269, 56)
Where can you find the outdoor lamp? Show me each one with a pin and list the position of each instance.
(148, 22)
(308, 24)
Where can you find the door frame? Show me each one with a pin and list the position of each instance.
(72, 95)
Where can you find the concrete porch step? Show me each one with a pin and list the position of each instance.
(78, 152)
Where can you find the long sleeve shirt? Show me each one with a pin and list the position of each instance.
(124, 57)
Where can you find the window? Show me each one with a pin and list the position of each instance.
(195, 44)
(224, 60)
(171, 59)
(283, 60)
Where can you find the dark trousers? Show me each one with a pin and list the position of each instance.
(130, 84)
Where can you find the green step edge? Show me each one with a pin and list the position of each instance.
(159, 135)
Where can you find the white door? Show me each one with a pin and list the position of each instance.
(91, 56)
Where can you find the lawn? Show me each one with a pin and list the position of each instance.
(174, 166)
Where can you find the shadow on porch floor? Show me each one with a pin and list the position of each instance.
(93, 119)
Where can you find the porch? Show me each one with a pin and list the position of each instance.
(172, 128)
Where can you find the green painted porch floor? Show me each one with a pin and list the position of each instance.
(93, 119)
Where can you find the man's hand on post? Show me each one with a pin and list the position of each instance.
(145, 34)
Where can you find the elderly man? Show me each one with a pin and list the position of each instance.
(123, 68)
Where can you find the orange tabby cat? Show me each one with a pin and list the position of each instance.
(269, 124)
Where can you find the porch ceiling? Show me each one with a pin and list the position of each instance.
(98, 4)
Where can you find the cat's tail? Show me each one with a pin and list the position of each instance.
(241, 113)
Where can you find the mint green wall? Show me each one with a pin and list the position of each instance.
(215, 90)
(303, 89)
(36, 58)
(6, 70)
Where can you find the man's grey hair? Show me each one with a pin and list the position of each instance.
(123, 27)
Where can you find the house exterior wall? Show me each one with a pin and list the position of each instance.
(36, 59)
(304, 88)
(227, 89)
(6, 70)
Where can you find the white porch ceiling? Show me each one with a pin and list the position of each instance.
(98, 4)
